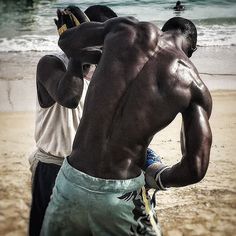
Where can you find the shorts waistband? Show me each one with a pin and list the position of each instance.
(98, 184)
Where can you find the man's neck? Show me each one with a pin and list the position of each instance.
(174, 39)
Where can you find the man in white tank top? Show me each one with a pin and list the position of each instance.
(58, 113)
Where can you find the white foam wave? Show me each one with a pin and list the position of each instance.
(29, 43)
(215, 35)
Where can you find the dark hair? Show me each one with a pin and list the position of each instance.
(186, 27)
(77, 13)
(178, 3)
(99, 13)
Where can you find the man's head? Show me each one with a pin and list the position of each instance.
(178, 3)
(99, 13)
(185, 27)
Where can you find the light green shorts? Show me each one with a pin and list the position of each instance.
(84, 205)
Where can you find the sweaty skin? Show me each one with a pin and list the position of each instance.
(143, 80)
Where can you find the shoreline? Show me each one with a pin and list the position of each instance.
(216, 66)
(214, 60)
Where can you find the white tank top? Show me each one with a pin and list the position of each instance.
(56, 126)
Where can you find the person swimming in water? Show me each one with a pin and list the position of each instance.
(179, 6)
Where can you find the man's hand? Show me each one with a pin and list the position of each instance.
(65, 21)
(153, 170)
(153, 176)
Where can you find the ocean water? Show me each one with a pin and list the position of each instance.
(27, 25)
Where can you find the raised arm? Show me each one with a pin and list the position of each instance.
(78, 38)
(55, 83)
(89, 34)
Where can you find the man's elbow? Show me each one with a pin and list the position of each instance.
(64, 47)
(73, 103)
(70, 103)
(65, 43)
(62, 44)
(201, 161)
(197, 174)
(200, 166)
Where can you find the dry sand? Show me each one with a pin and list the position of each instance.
(207, 208)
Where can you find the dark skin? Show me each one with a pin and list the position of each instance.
(55, 83)
(143, 80)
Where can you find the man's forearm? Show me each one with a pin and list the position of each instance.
(67, 42)
(76, 39)
(177, 176)
(162, 177)
(191, 169)
(70, 87)
(196, 139)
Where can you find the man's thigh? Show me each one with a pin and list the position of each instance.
(67, 212)
(123, 214)
(43, 183)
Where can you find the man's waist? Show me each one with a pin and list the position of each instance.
(90, 182)
(103, 169)
(46, 157)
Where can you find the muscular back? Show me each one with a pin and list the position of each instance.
(137, 89)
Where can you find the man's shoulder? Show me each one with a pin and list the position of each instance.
(62, 57)
(180, 72)
(54, 57)
(185, 82)
(132, 32)
(131, 24)
(131, 21)
(180, 68)
(51, 62)
(200, 94)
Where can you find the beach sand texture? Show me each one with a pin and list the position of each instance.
(207, 208)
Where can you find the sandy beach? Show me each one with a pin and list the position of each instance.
(207, 208)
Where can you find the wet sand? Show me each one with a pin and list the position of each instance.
(17, 75)
(207, 208)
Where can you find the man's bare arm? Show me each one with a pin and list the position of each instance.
(89, 34)
(195, 145)
(78, 38)
(56, 84)
(197, 139)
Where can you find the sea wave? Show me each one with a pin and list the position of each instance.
(208, 36)
(221, 21)
(216, 35)
(29, 43)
